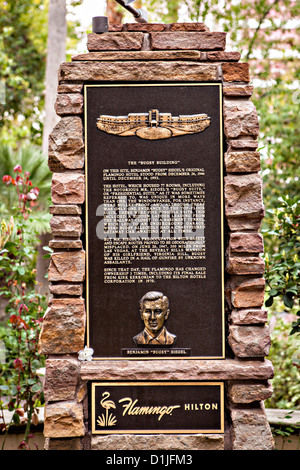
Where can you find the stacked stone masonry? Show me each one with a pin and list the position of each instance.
(177, 52)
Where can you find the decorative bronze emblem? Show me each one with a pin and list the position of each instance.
(157, 407)
(107, 419)
(153, 125)
(154, 311)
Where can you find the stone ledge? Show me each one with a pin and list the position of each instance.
(65, 209)
(67, 266)
(249, 391)
(245, 265)
(246, 242)
(64, 419)
(237, 224)
(228, 369)
(243, 195)
(65, 290)
(137, 70)
(232, 89)
(139, 55)
(241, 144)
(248, 293)
(250, 316)
(115, 41)
(188, 40)
(70, 88)
(61, 379)
(159, 441)
(250, 429)
(65, 244)
(66, 145)
(249, 340)
(66, 226)
(147, 27)
(69, 103)
(63, 327)
(240, 119)
(242, 162)
(278, 416)
(236, 72)
(68, 188)
(237, 90)
(224, 56)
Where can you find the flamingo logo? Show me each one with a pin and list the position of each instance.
(107, 419)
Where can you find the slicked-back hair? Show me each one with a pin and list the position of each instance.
(154, 295)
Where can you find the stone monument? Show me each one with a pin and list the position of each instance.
(155, 334)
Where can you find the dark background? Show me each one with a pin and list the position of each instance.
(158, 395)
(196, 305)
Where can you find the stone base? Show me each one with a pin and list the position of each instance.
(158, 442)
(156, 52)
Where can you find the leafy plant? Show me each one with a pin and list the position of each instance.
(31, 158)
(286, 432)
(283, 266)
(284, 355)
(21, 389)
(23, 39)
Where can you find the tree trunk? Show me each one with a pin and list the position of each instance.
(56, 53)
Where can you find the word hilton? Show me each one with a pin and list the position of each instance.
(200, 406)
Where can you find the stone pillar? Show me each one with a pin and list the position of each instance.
(158, 52)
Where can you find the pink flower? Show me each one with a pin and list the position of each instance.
(6, 179)
(23, 307)
(18, 169)
(18, 322)
(19, 180)
(33, 194)
(18, 364)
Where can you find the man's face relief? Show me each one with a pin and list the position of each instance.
(154, 314)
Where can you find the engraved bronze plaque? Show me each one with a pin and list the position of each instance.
(157, 407)
(154, 220)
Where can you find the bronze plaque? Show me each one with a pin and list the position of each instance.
(157, 407)
(154, 220)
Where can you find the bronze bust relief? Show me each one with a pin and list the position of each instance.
(154, 311)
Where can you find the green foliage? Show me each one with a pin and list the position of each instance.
(278, 107)
(286, 431)
(283, 266)
(21, 389)
(163, 11)
(31, 158)
(23, 46)
(23, 39)
(284, 355)
(75, 32)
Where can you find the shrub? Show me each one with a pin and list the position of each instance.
(284, 355)
(21, 390)
(282, 243)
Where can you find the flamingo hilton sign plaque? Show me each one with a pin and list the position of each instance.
(157, 407)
